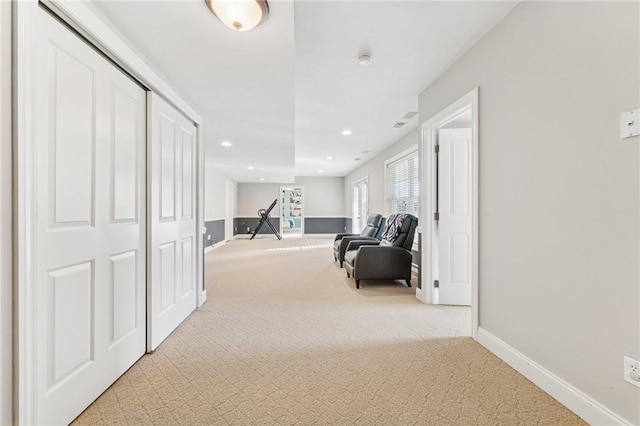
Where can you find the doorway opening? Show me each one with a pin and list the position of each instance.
(450, 235)
(360, 207)
(292, 211)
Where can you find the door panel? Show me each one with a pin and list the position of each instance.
(172, 172)
(454, 226)
(90, 283)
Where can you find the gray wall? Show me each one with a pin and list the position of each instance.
(375, 170)
(5, 214)
(559, 191)
(323, 204)
(214, 233)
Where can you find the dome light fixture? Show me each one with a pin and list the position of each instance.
(364, 59)
(240, 15)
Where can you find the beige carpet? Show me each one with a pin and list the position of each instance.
(285, 338)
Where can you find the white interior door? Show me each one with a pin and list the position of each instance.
(90, 173)
(228, 210)
(454, 226)
(172, 203)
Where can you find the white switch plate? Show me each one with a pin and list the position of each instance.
(630, 124)
(632, 371)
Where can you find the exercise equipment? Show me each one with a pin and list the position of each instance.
(265, 217)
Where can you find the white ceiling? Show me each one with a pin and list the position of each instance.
(283, 92)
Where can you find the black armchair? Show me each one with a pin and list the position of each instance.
(388, 259)
(372, 231)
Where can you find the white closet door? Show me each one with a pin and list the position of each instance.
(454, 192)
(172, 247)
(90, 285)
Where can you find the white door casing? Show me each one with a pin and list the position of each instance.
(360, 209)
(429, 136)
(90, 223)
(172, 172)
(455, 216)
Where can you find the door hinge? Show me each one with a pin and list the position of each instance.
(436, 148)
(436, 283)
(436, 216)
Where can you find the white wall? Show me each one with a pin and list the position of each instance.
(214, 193)
(323, 196)
(559, 191)
(375, 169)
(5, 215)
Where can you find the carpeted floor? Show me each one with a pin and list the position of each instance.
(285, 338)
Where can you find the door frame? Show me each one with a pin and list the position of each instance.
(428, 140)
(281, 210)
(353, 186)
(25, 33)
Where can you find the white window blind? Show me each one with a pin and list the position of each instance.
(403, 185)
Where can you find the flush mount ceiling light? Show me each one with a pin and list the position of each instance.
(364, 59)
(226, 143)
(346, 132)
(240, 15)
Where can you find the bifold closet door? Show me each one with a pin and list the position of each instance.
(172, 206)
(90, 172)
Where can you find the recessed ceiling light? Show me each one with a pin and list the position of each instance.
(346, 132)
(250, 167)
(357, 159)
(364, 59)
(329, 158)
(320, 171)
(226, 143)
(261, 178)
(365, 152)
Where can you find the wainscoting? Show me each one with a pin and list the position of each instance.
(215, 230)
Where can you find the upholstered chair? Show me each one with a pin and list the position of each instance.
(388, 259)
(372, 231)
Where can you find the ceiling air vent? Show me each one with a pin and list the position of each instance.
(409, 115)
(398, 125)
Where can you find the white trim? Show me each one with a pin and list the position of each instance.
(212, 247)
(325, 217)
(568, 395)
(408, 151)
(281, 207)
(6, 237)
(320, 235)
(201, 296)
(427, 140)
(355, 183)
(24, 33)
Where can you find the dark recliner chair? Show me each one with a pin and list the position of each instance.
(372, 231)
(389, 259)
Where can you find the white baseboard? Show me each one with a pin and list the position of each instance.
(575, 400)
(207, 249)
(204, 298)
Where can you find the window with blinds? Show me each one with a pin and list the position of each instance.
(403, 185)
(360, 205)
